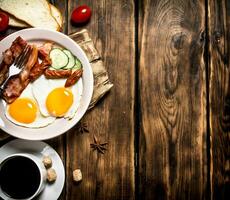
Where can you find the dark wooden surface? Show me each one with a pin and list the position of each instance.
(172, 87)
(167, 117)
(219, 47)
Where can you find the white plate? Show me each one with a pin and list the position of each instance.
(61, 125)
(39, 149)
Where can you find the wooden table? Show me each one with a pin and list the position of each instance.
(167, 119)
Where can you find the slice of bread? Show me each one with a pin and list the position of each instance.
(13, 21)
(36, 13)
(57, 15)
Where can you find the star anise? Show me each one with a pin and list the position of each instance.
(83, 127)
(97, 145)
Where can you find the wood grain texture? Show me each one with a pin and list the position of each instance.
(172, 96)
(108, 176)
(172, 143)
(219, 25)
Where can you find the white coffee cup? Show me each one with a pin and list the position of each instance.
(40, 167)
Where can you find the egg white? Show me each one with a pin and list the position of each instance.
(42, 87)
(40, 120)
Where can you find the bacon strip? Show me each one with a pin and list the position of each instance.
(10, 55)
(25, 73)
(3, 72)
(14, 88)
(75, 76)
(18, 46)
(55, 74)
(17, 83)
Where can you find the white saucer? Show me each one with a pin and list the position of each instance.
(39, 149)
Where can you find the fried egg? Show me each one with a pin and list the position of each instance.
(56, 100)
(24, 111)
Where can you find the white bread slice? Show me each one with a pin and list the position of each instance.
(13, 21)
(34, 12)
(56, 14)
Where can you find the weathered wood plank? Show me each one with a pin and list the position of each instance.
(219, 25)
(172, 141)
(108, 176)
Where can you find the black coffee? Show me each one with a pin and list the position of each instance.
(19, 177)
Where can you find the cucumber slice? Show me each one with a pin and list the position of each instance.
(59, 58)
(71, 62)
(77, 65)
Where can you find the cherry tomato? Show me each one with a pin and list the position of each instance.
(4, 21)
(81, 14)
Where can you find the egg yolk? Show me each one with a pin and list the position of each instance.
(23, 110)
(59, 101)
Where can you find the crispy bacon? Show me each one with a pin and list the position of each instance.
(25, 73)
(3, 72)
(17, 46)
(75, 76)
(17, 83)
(14, 51)
(14, 88)
(55, 74)
(10, 55)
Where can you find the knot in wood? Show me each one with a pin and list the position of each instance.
(178, 40)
